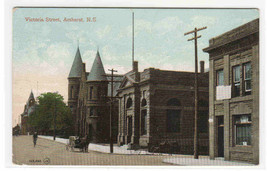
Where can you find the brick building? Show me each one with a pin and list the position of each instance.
(157, 107)
(234, 94)
(88, 97)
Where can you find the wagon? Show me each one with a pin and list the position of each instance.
(76, 142)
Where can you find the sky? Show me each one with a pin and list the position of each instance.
(43, 52)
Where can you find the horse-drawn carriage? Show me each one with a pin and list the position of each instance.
(77, 142)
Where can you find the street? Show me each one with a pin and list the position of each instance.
(48, 152)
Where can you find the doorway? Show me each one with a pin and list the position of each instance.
(220, 139)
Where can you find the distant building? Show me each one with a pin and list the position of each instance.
(234, 94)
(16, 130)
(29, 108)
(156, 108)
(88, 98)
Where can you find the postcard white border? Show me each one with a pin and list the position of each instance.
(6, 61)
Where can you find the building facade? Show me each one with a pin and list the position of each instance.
(234, 94)
(88, 97)
(157, 107)
(29, 108)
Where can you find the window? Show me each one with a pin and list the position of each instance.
(220, 79)
(143, 103)
(144, 122)
(236, 81)
(247, 78)
(129, 103)
(98, 92)
(91, 92)
(72, 92)
(242, 129)
(173, 121)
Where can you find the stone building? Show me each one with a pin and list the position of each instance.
(29, 108)
(157, 106)
(234, 94)
(88, 98)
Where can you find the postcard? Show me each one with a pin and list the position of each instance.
(135, 86)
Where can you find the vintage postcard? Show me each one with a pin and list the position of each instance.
(135, 86)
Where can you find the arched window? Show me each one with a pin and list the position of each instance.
(173, 102)
(143, 103)
(129, 103)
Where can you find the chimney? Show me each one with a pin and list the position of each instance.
(202, 64)
(135, 66)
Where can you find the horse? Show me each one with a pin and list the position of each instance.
(84, 143)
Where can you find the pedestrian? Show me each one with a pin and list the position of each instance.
(35, 136)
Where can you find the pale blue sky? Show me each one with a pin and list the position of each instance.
(159, 35)
(44, 51)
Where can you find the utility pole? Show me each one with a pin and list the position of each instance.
(55, 119)
(111, 111)
(196, 89)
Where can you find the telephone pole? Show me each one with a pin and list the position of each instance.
(111, 111)
(196, 89)
(55, 110)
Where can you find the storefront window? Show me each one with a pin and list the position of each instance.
(242, 130)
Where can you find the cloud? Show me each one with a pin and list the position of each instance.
(202, 21)
(168, 24)
(120, 68)
(102, 32)
(53, 59)
(142, 26)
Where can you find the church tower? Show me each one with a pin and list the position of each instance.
(97, 115)
(29, 108)
(31, 100)
(74, 85)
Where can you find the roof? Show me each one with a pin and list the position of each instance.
(31, 96)
(97, 71)
(77, 65)
(235, 34)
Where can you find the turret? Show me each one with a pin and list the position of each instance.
(74, 84)
(97, 85)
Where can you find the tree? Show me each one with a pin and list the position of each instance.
(50, 105)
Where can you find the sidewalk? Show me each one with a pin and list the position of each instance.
(177, 159)
(205, 161)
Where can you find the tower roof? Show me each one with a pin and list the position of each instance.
(97, 71)
(31, 96)
(76, 69)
